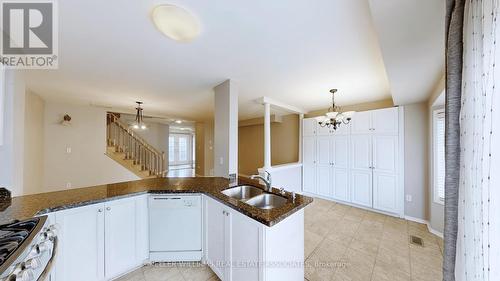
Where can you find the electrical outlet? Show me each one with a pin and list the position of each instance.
(68, 185)
(221, 161)
(408, 198)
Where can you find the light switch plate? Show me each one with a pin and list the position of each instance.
(408, 198)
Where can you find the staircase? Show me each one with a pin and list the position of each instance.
(132, 151)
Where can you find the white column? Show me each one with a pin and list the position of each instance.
(267, 136)
(301, 121)
(226, 130)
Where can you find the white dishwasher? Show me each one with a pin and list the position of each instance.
(175, 226)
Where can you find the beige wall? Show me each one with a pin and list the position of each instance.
(204, 148)
(12, 148)
(209, 148)
(200, 148)
(355, 107)
(155, 135)
(416, 160)
(284, 144)
(33, 144)
(87, 163)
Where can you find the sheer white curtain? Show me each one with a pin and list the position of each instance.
(478, 241)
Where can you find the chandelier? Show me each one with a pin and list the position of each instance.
(334, 117)
(139, 118)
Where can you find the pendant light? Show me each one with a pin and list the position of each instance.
(334, 117)
(139, 118)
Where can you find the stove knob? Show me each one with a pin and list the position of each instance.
(26, 275)
(42, 247)
(32, 263)
(50, 233)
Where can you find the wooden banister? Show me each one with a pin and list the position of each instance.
(135, 148)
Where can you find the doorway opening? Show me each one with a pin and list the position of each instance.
(181, 156)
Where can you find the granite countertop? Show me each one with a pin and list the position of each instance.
(27, 206)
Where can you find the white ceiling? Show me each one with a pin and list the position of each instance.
(291, 50)
(412, 39)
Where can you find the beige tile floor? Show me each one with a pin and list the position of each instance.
(343, 243)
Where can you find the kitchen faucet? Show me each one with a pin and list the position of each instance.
(266, 180)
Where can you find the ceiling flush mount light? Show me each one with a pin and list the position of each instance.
(178, 121)
(176, 23)
(139, 118)
(334, 117)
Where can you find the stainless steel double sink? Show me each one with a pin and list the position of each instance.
(255, 196)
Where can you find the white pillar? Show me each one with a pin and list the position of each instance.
(226, 130)
(267, 136)
(301, 121)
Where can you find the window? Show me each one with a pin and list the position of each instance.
(183, 148)
(171, 149)
(180, 149)
(439, 158)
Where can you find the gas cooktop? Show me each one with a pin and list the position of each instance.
(12, 236)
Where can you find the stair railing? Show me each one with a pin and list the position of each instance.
(125, 140)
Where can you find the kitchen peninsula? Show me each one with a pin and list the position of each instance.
(237, 239)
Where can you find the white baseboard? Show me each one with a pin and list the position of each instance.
(175, 256)
(348, 204)
(429, 227)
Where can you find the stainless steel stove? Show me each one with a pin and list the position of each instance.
(27, 250)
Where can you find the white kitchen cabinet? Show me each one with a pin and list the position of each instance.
(385, 121)
(341, 151)
(361, 152)
(102, 241)
(385, 152)
(324, 165)
(361, 171)
(81, 244)
(120, 237)
(323, 131)
(324, 180)
(361, 187)
(231, 239)
(385, 191)
(341, 184)
(361, 122)
(215, 225)
(309, 164)
(340, 172)
(237, 246)
(309, 127)
(142, 231)
(364, 161)
(246, 245)
(344, 129)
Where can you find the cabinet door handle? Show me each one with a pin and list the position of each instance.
(108, 208)
(99, 210)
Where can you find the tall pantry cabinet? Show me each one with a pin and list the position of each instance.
(358, 163)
